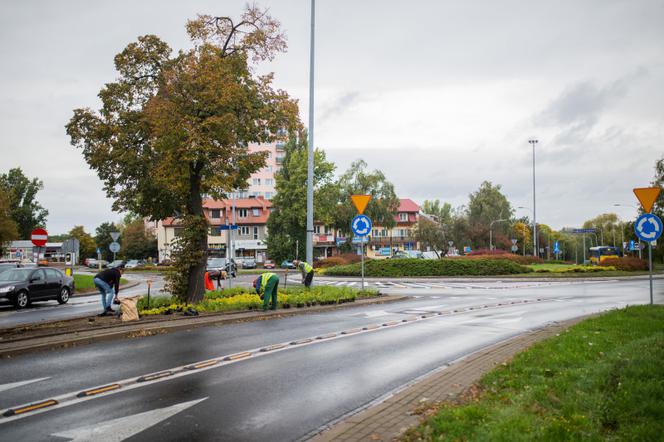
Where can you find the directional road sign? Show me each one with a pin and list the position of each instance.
(227, 227)
(361, 225)
(648, 227)
(39, 237)
(583, 231)
(556, 248)
(114, 247)
(360, 239)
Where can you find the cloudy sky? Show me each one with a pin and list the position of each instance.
(440, 95)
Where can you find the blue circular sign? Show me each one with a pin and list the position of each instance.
(648, 227)
(361, 225)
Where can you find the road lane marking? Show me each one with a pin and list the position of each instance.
(68, 399)
(4, 387)
(123, 428)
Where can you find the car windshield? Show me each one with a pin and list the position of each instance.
(132, 261)
(15, 275)
(216, 262)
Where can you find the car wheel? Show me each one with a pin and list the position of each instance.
(22, 299)
(63, 296)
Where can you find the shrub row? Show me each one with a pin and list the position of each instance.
(627, 263)
(344, 259)
(430, 267)
(577, 269)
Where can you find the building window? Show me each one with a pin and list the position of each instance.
(215, 231)
(269, 155)
(256, 181)
(403, 216)
(255, 232)
(269, 181)
(215, 213)
(402, 233)
(269, 195)
(269, 169)
(255, 212)
(242, 213)
(244, 230)
(177, 231)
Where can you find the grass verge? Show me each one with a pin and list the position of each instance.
(84, 282)
(243, 299)
(600, 380)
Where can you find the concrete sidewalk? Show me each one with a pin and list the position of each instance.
(389, 419)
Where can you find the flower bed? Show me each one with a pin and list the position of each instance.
(242, 299)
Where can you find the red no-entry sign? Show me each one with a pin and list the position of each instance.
(39, 237)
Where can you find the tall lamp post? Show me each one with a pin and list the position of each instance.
(533, 142)
(491, 232)
(310, 150)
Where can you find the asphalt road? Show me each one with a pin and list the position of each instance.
(284, 393)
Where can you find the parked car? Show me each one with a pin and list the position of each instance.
(94, 263)
(216, 265)
(286, 264)
(135, 264)
(116, 263)
(22, 286)
(268, 264)
(249, 263)
(4, 266)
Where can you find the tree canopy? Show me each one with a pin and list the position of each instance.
(287, 222)
(24, 209)
(8, 229)
(173, 128)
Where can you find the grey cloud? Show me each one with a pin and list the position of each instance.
(338, 105)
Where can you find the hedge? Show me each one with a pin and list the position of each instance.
(430, 267)
(627, 263)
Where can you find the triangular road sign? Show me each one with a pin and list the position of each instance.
(647, 197)
(360, 202)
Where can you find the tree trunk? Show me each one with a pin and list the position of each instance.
(196, 283)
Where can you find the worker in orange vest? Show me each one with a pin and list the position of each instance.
(208, 282)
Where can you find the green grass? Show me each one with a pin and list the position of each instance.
(602, 379)
(244, 299)
(551, 267)
(84, 282)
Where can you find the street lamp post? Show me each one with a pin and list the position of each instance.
(491, 232)
(310, 150)
(533, 142)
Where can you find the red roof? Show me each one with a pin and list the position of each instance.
(408, 205)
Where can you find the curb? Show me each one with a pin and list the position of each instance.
(56, 340)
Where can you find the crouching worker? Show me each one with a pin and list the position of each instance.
(267, 284)
(307, 272)
(108, 284)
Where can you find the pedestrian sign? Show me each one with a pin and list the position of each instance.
(648, 227)
(360, 202)
(647, 196)
(556, 248)
(361, 225)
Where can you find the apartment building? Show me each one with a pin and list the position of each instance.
(248, 240)
(262, 182)
(384, 240)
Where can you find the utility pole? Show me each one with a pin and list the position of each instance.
(310, 156)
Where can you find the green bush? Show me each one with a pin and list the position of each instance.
(430, 267)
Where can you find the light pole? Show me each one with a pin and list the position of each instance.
(310, 151)
(491, 232)
(533, 142)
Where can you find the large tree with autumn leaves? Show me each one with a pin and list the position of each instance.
(174, 127)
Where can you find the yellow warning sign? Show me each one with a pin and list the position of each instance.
(647, 196)
(360, 202)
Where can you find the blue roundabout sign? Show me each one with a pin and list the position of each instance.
(361, 225)
(648, 227)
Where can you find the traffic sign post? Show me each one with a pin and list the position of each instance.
(39, 237)
(115, 248)
(648, 228)
(361, 226)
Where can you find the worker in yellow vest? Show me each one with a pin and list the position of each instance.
(307, 272)
(267, 284)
